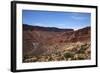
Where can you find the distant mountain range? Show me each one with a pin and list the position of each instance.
(36, 39)
(54, 29)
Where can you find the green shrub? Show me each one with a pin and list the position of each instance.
(68, 55)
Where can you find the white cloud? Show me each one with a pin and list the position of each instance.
(77, 17)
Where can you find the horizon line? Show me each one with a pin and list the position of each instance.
(57, 27)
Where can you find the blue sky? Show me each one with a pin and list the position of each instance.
(74, 20)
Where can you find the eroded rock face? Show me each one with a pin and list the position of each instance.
(47, 40)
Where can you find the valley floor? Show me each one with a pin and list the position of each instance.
(63, 52)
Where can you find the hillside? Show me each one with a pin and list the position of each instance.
(50, 43)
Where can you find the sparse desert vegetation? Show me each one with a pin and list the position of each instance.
(76, 52)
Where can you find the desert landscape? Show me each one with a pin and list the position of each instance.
(44, 44)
